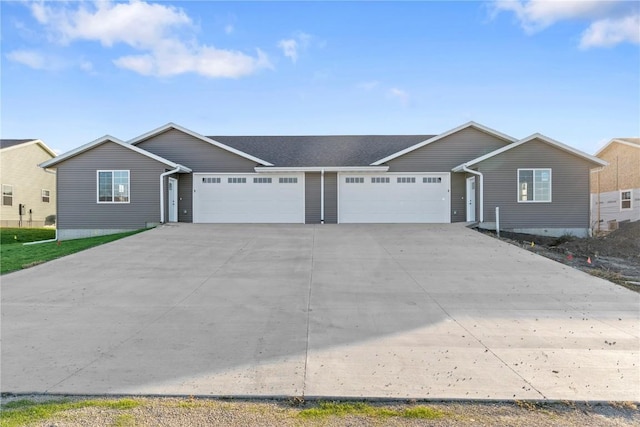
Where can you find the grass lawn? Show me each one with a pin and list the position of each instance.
(16, 256)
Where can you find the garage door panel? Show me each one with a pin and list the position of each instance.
(218, 199)
(405, 198)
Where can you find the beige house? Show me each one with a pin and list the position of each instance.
(615, 189)
(28, 191)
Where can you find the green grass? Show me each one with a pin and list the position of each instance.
(17, 256)
(24, 412)
(335, 409)
(23, 235)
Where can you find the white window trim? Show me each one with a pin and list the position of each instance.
(534, 189)
(3, 196)
(630, 200)
(112, 202)
(42, 196)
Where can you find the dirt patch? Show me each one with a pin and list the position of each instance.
(614, 256)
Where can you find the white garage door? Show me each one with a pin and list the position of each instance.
(248, 198)
(394, 198)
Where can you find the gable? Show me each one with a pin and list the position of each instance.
(198, 155)
(445, 153)
(616, 149)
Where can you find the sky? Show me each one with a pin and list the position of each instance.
(74, 71)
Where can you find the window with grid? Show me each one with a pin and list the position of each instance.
(625, 199)
(354, 180)
(113, 186)
(406, 179)
(236, 180)
(534, 185)
(432, 180)
(262, 180)
(208, 180)
(380, 180)
(288, 180)
(7, 195)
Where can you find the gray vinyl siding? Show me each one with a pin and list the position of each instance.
(198, 155)
(185, 197)
(445, 154)
(569, 206)
(330, 198)
(77, 190)
(312, 201)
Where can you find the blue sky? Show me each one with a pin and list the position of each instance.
(75, 71)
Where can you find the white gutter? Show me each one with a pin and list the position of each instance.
(278, 169)
(466, 169)
(322, 196)
(171, 172)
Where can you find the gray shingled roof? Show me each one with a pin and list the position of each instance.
(327, 150)
(6, 143)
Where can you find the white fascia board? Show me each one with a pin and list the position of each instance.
(443, 135)
(44, 146)
(281, 169)
(618, 141)
(109, 138)
(168, 126)
(540, 137)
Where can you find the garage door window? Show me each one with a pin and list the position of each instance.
(432, 180)
(286, 180)
(262, 180)
(113, 186)
(354, 180)
(211, 180)
(406, 179)
(380, 180)
(237, 180)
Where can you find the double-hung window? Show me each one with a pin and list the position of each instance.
(625, 199)
(534, 185)
(113, 186)
(7, 195)
(46, 195)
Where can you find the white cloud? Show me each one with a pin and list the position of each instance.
(158, 31)
(605, 18)
(29, 58)
(228, 29)
(610, 32)
(86, 66)
(292, 47)
(399, 94)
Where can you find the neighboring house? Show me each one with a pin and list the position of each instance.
(28, 192)
(173, 174)
(615, 189)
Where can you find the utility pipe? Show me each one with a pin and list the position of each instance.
(322, 196)
(498, 221)
(466, 169)
(43, 241)
(162, 176)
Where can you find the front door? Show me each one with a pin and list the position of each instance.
(173, 200)
(471, 199)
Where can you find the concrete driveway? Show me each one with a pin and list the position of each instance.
(390, 311)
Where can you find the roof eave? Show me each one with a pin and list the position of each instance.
(171, 125)
(473, 124)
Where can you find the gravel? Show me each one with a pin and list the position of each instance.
(185, 412)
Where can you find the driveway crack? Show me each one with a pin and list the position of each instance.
(306, 353)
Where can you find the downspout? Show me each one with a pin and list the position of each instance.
(162, 176)
(466, 169)
(322, 196)
(597, 171)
